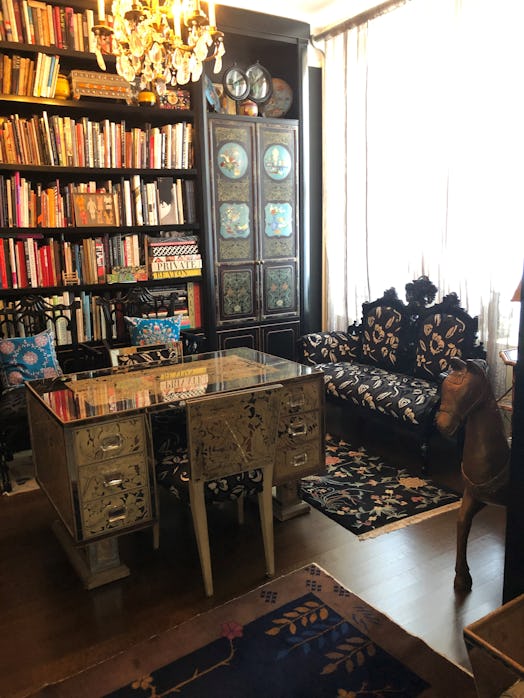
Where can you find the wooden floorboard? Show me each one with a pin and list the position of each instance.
(51, 627)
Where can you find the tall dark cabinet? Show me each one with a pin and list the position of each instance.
(256, 215)
(255, 250)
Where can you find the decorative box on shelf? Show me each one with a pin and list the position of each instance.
(176, 99)
(88, 83)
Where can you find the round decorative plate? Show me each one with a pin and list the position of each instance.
(280, 101)
(232, 160)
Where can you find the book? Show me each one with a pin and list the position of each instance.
(176, 273)
(3, 265)
(166, 201)
(194, 303)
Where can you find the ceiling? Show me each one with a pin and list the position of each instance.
(318, 13)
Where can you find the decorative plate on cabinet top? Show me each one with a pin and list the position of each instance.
(212, 95)
(280, 101)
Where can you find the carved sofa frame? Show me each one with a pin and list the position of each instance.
(389, 367)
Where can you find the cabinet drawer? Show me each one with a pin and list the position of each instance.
(115, 513)
(112, 477)
(296, 429)
(296, 463)
(98, 442)
(301, 397)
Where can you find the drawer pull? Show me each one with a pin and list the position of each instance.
(296, 401)
(113, 480)
(116, 514)
(300, 461)
(112, 443)
(298, 429)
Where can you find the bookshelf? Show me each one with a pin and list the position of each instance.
(59, 158)
(84, 182)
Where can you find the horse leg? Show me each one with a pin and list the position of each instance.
(468, 508)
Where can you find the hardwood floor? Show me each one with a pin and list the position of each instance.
(50, 627)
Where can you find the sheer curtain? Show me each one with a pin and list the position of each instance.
(424, 160)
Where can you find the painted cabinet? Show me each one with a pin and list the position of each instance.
(255, 232)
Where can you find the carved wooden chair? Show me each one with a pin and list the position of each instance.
(24, 320)
(140, 302)
(231, 444)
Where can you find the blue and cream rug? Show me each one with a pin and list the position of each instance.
(303, 635)
(369, 497)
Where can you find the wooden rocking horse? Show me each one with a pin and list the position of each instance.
(467, 396)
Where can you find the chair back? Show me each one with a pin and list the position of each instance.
(30, 315)
(233, 432)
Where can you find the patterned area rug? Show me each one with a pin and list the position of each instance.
(369, 497)
(300, 636)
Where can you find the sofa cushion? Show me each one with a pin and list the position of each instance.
(405, 398)
(27, 358)
(318, 347)
(144, 331)
(382, 331)
(441, 337)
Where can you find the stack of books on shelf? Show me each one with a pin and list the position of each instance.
(173, 257)
(44, 139)
(39, 23)
(128, 202)
(23, 76)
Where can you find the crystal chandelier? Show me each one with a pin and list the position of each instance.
(160, 44)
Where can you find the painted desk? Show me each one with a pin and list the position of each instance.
(92, 443)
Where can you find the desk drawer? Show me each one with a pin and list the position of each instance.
(115, 513)
(298, 428)
(296, 463)
(301, 396)
(112, 477)
(97, 442)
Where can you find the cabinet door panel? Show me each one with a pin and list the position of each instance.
(279, 289)
(232, 188)
(278, 217)
(237, 293)
(281, 340)
(243, 337)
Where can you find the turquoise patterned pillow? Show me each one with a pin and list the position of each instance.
(26, 358)
(154, 330)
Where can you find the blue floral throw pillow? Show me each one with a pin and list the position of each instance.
(27, 358)
(154, 330)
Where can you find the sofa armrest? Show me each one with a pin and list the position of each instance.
(328, 347)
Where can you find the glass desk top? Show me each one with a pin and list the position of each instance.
(112, 391)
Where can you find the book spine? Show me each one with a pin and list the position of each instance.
(176, 273)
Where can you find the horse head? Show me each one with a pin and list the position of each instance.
(463, 389)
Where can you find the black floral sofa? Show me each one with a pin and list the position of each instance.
(389, 367)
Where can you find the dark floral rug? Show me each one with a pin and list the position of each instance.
(303, 635)
(369, 497)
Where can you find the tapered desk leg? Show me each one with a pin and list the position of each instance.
(96, 563)
(287, 503)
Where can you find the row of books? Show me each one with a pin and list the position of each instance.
(92, 323)
(39, 23)
(65, 142)
(133, 201)
(37, 262)
(26, 77)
